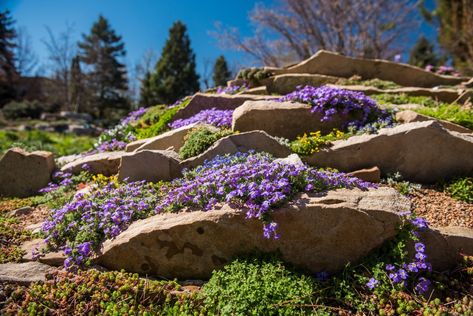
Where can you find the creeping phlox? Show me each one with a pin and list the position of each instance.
(253, 181)
(219, 118)
(330, 102)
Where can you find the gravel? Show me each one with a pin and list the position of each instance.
(440, 209)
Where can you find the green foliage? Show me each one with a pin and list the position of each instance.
(106, 79)
(461, 189)
(378, 83)
(158, 119)
(404, 187)
(221, 73)
(254, 75)
(452, 113)
(59, 144)
(423, 54)
(403, 98)
(255, 286)
(307, 145)
(175, 76)
(100, 293)
(200, 139)
(11, 236)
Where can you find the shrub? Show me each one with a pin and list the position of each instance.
(254, 75)
(200, 139)
(258, 286)
(450, 112)
(307, 145)
(328, 102)
(461, 189)
(219, 118)
(99, 293)
(24, 109)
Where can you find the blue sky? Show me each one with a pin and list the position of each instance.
(143, 24)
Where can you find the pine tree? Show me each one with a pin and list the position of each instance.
(175, 76)
(221, 73)
(146, 92)
(423, 54)
(105, 78)
(8, 73)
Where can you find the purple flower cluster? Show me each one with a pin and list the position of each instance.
(219, 118)
(232, 89)
(401, 274)
(251, 181)
(114, 144)
(329, 102)
(59, 179)
(80, 226)
(133, 116)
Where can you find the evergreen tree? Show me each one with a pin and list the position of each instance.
(105, 78)
(8, 73)
(146, 91)
(423, 54)
(175, 76)
(221, 73)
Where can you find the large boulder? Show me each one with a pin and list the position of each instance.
(281, 119)
(24, 174)
(333, 64)
(242, 142)
(422, 152)
(105, 163)
(287, 83)
(149, 165)
(205, 101)
(409, 116)
(319, 232)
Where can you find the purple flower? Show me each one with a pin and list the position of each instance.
(402, 274)
(423, 285)
(232, 89)
(372, 283)
(419, 222)
(219, 118)
(420, 247)
(390, 267)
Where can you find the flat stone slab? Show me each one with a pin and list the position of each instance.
(105, 163)
(422, 152)
(24, 273)
(287, 83)
(319, 232)
(149, 165)
(333, 64)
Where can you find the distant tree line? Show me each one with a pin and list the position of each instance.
(90, 76)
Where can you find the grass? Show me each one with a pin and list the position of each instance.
(377, 83)
(199, 140)
(402, 98)
(450, 112)
(59, 144)
(156, 120)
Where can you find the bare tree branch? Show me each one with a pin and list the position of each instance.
(26, 60)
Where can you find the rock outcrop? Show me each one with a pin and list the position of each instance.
(149, 165)
(24, 273)
(23, 174)
(319, 232)
(409, 116)
(333, 64)
(422, 152)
